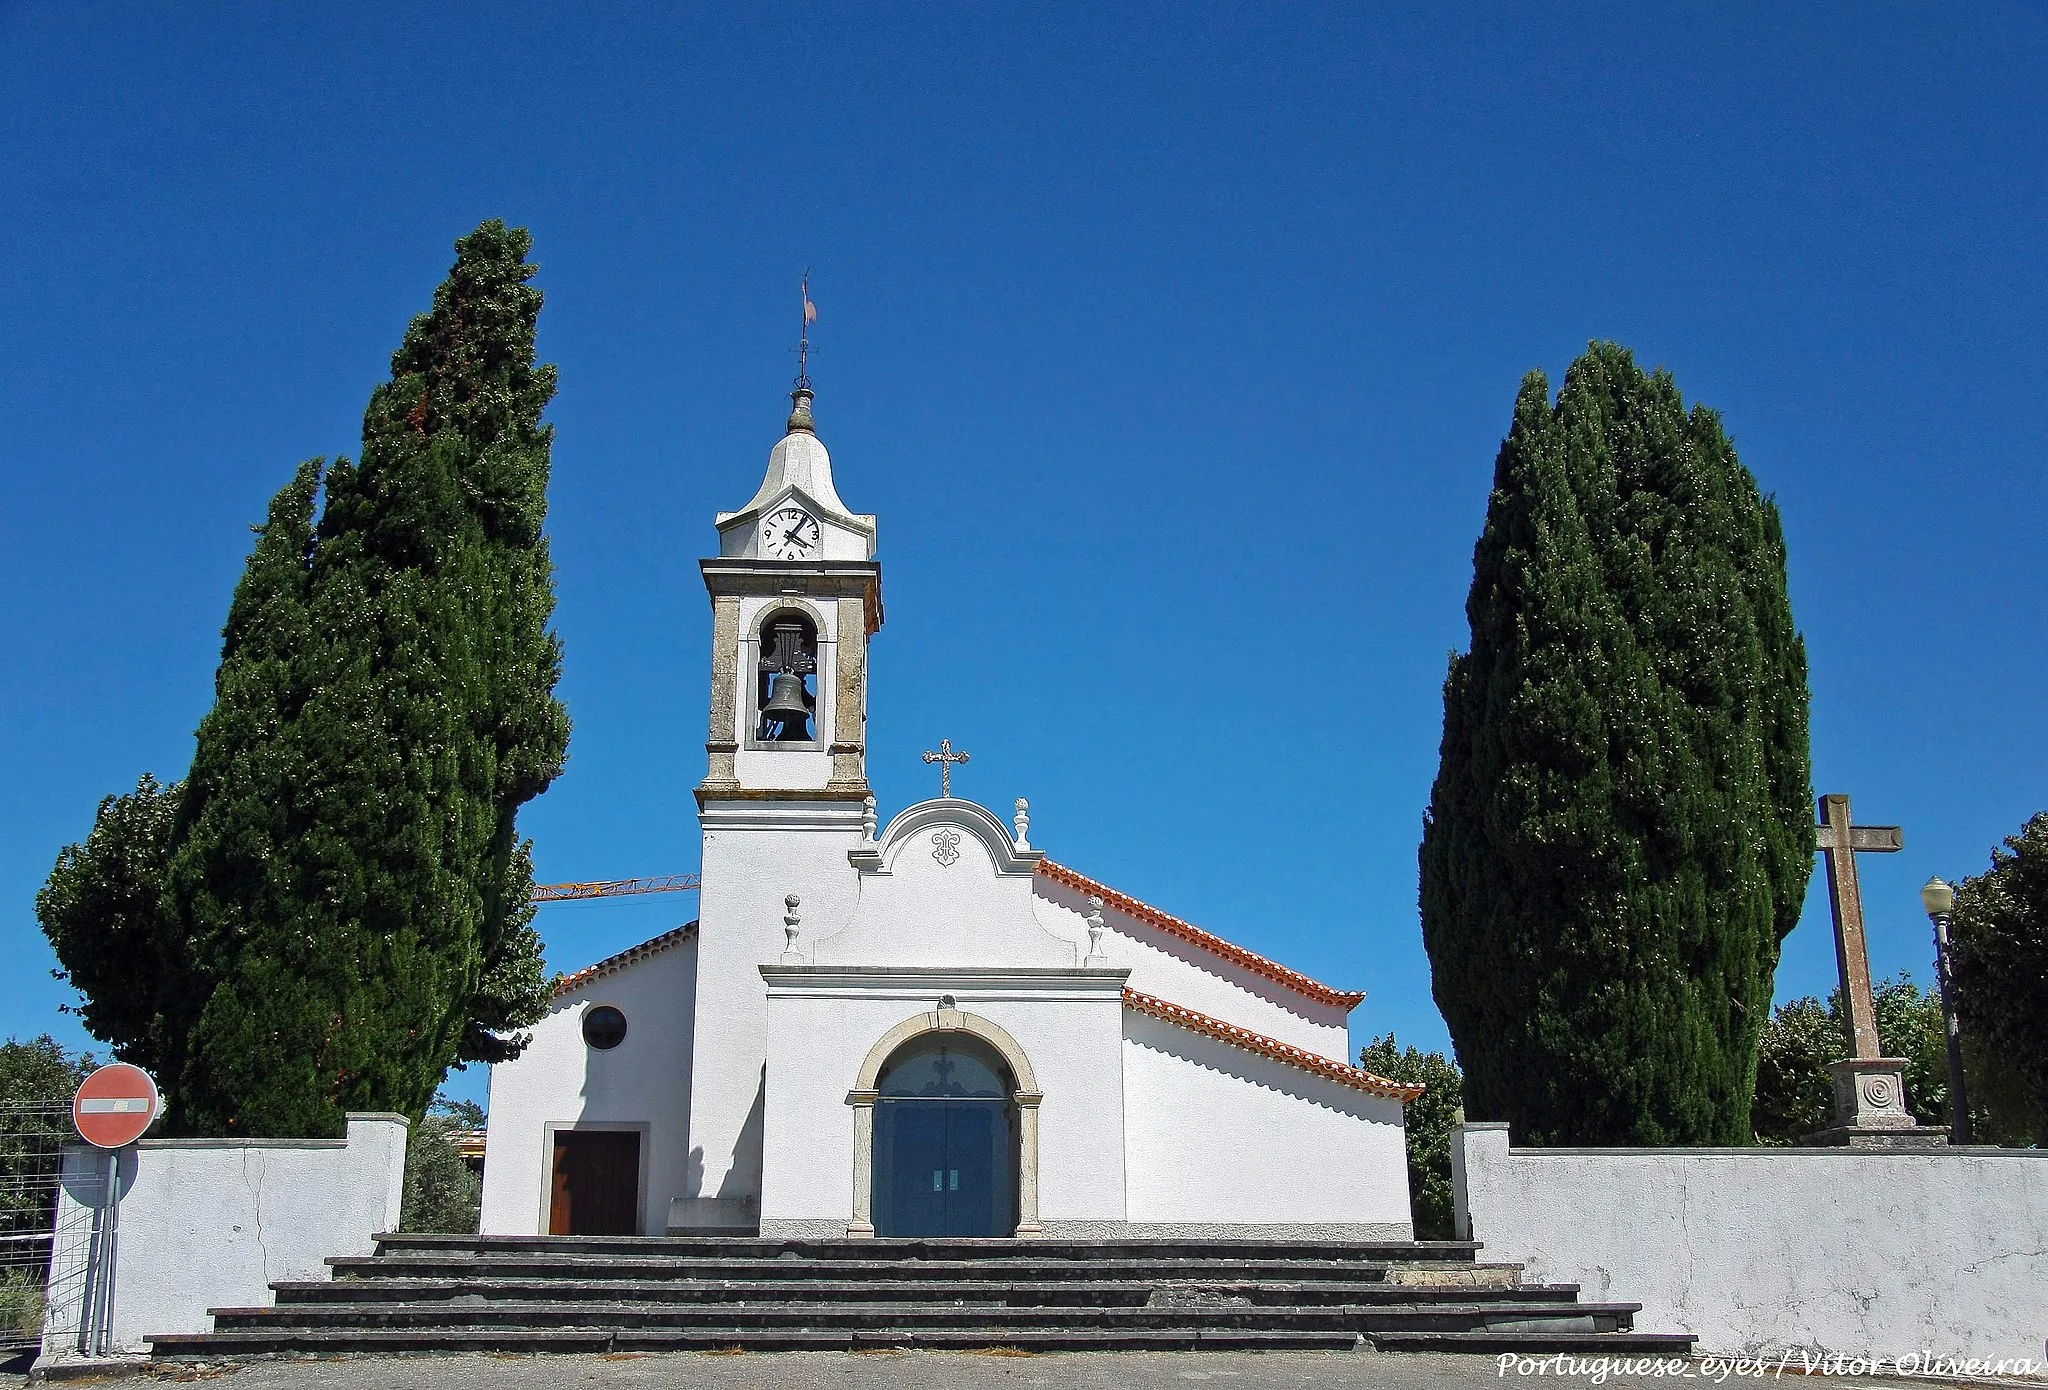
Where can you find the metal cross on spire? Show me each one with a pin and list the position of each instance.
(945, 758)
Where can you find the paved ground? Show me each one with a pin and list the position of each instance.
(938, 1371)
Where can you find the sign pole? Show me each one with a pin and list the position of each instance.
(103, 1305)
(95, 1265)
(112, 1109)
(113, 1248)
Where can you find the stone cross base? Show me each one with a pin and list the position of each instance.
(1870, 1107)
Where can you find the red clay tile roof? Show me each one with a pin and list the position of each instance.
(569, 984)
(1355, 1077)
(1208, 941)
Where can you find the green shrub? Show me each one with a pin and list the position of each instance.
(22, 1305)
(441, 1193)
(1430, 1119)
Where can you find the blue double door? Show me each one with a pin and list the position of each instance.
(944, 1167)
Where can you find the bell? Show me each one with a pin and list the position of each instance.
(788, 708)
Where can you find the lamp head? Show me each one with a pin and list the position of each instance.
(1938, 898)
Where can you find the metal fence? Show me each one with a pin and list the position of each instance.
(32, 1139)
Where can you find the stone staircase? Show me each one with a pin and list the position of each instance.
(422, 1293)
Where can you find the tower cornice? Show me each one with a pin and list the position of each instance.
(860, 579)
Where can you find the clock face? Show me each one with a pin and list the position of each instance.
(790, 534)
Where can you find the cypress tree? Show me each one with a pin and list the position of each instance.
(1620, 832)
(346, 869)
(231, 869)
(105, 908)
(102, 910)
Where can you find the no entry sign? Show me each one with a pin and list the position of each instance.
(115, 1105)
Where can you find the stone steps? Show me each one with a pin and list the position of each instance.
(217, 1345)
(1077, 1292)
(537, 1294)
(634, 1264)
(934, 1248)
(467, 1314)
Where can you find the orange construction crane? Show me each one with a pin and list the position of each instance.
(616, 887)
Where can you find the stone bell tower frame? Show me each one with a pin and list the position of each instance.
(795, 594)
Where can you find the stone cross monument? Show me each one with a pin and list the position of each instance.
(1870, 1088)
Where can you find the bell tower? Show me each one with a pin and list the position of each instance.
(795, 595)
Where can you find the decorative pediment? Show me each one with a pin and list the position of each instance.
(946, 885)
(926, 825)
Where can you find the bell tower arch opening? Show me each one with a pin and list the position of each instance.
(785, 685)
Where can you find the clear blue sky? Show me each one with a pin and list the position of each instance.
(1172, 346)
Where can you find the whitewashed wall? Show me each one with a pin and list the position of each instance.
(1168, 968)
(560, 1080)
(824, 1021)
(210, 1223)
(1855, 1251)
(758, 1085)
(1219, 1139)
(754, 854)
(1177, 1134)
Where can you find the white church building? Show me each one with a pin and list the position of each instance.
(928, 1028)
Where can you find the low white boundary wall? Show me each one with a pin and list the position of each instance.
(1862, 1252)
(209, 1223)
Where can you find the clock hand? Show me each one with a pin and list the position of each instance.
(800, 542)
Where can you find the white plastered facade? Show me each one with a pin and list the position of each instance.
(1219, 1103)
(560, 1082)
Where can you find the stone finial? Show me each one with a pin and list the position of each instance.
(800, 411)
(790, 954)
(867, 820)
(1022, 820)
(1096, 927)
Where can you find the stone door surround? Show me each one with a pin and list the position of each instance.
(945, 1019)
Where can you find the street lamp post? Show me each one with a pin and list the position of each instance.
(1940, 900)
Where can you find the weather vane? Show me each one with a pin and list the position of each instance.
(803, 342)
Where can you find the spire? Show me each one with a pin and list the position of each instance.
(800, 474)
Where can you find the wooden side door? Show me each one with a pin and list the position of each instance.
(596, 1183)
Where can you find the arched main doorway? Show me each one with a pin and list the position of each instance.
(945, 1139)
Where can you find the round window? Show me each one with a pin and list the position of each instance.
(604, 1027)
